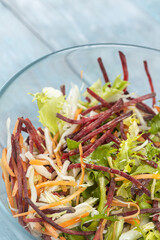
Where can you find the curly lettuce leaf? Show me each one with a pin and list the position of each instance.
(152, 152)
(105, 92)
(49, 103)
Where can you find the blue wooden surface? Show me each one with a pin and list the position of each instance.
(30, 29)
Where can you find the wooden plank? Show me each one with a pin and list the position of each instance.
(66, 23)
(18, 46)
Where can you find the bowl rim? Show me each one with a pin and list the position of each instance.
(92, 45)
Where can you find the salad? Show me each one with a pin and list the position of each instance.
(93, 170)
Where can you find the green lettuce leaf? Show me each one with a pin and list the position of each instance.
(101, 154)
(155, 124)
(105, 92)
(142, 200)
(125, 191)
(71, 144)
(144, 168)
(128, 157)
(96, 218)
(48, 107)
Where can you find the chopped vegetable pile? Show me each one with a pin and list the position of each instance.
(93, 170)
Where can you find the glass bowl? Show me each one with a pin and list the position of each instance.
(64, 67)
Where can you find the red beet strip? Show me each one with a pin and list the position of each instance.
(30, 144)
(63, 89)
(123, 135)
(58, 210)
(105, 75)
(19, 179)
(155, 205)
(88, 99)
(124, 67)
(27, 220)
(151, 163)
(33, 133)
(40, 130)
(148, 117)
(142, 211)
(139, 99)
(55, 225)
(97, 143)
(150, 81)
(114, 139)
(98, 98)
(105, 126)
(157, 225)
(145, 108)
(101, 118)
(111, 192)
(114, 171)
(96, 107)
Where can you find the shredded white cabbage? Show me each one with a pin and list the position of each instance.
(80, 209)
(66, 133)
(30, 175)
(48, 141)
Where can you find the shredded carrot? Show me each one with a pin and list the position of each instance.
(83, 166)
(78, 111)
(81, 74)
(133, 221)
(157, 107)
(114, 231)
(15, 127)
(21, 141)
(62, 238)
(58, 159)
(5, 163)
(56, 183)
(6, 180)
(39, 162)
(115, 134)
(93, 139)
(73, 220)
(63, 201)
(15, 189)
(52, 231)
(57, 155)
(55, 139)
(126, 204)
(141, 176)
(141, 139)
(77, 129)
(157, 144)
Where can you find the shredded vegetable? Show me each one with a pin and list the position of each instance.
(93, 170)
